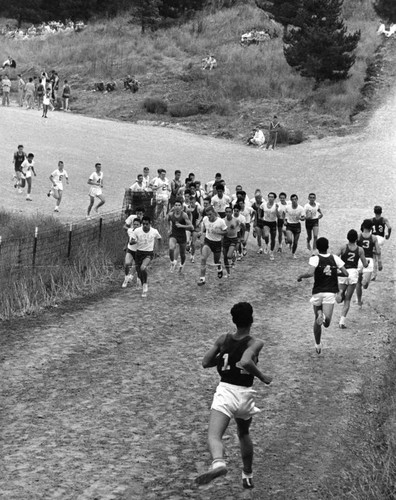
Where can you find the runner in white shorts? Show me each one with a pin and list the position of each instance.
(56, 178)
(370, 246)
(324, 267)
(96, 182)
(236, 356)
(352, 255)
(380, 224)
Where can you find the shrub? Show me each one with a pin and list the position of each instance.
(183, 109)
(193, 74)
(155, 105)
(296, 136)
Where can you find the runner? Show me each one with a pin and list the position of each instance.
(214, 229)
(56, 178)
(139, 212)
(324, 268)
(248, 213)
(350, 254)
(312, 215)
(258, 223)
(230, 240)
(193, 209)
(370, 246)
(220, 200)
(293, 215)
(130, 256)
(281, 219)
(96, 182)
(379, 225)
(147, 240)
(236, 357)
(179, 222)
(27, 169)
(18, 159)
(269, 210)
(161, 188)
(176, 185)
(241, 231)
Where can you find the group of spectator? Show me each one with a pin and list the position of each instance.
(129, 82)
(41, 30)
(257, 137)
(38, 91)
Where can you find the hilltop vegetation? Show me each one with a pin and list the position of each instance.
(247, 87)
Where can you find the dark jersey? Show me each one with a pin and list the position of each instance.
(350, 257)
(228, 367)
(379, 226)
(18, 160)
(326, 280)
(368, 245)
(178, 232)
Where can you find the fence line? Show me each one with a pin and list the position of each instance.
(56, 246)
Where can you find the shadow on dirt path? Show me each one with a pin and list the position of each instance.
(107, 399)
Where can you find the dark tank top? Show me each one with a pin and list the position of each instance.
(228, 362)
(326, 280)
(368, 245)
(350, 257)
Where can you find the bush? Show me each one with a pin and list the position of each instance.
(183, 109)
(193, 74)
(296, 136)
(155, 105)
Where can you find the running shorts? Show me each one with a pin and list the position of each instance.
(235, 401)
(320, 298)
(351, 279)
(215, 246)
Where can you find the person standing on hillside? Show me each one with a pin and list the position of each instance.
(6, 86)
(96, 182)
(236, 356)
(66, 92)
(274, 128)
(324, 268)
(21, 90)
(29, 94)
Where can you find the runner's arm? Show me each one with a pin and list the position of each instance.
(210, 358)
(320, 213)
(248, 362)
(389, 228)
(308, 274)
(377, 250)
(362, 257)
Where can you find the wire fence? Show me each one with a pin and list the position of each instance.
(57, 246)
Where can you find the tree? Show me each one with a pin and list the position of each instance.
(321, 48)
(146, 12)
(285, 12)
(22, 10)
(386, 10)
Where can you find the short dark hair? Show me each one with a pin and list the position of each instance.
(312, 194)
(98, 165)
(177, 172)
(322, 244)
(367, 224)
(352, 235)
(271, 192)
(242, 314)
(30, 155)
(377, 209)
(179, 199)
(293, 196)
(218, 175)
(140, 209)
(146, 218)
(283, 194)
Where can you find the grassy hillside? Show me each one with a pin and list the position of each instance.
(248, 86)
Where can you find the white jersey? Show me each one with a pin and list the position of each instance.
(248, 213)
(146, 181)
(162, 188)
(96, 179)
(27, 167)
(132, 247)
(282, 210)
(293, 215)
(58, 176)
(212, 228)
(311, 212)
(270, 214)
(220, 204)
(138, 188)
(144, 241)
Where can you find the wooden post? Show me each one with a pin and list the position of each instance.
(35, 247)
(100, 229)
(70, 241)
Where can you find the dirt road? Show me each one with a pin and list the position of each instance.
(106, 398)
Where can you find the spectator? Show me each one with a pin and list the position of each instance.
(21, 90)
(66, 95)
(40, 93)
(274, 128)
(29, 94)
(6, 86)
(257, 139)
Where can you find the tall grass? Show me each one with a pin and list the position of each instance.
(115, 48)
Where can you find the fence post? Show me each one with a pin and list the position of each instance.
(35, 246)
(100, 229)
(1, 240)
(70, 240)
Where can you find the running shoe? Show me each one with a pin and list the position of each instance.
(318, 348)
(244, 252)
(173, 266)
(145, 290)
(272, 256)
(56, 209)
(342, 326)
(265, 250)
(260, 250)
(181, 268)
(247, 483)
(20, 190)
(239, 257)
(220, 272)
(279, 250)
(211, 474)
(294, 256)
(201, 282)
(192, 260)
(28, 198)
(49, 194)
(374, 278)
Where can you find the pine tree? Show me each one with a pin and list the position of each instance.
(284, 11)
(146, 12)
(386, 10)
(321, 48)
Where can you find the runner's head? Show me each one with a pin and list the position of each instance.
(282, 196)
(211, 213)
(322, 245)
(98, 166)
(242, 314)
(312, 197)
(146, 221)
(60, 165)
(140, 212)
(30, 156)
(136, 223)
(178, 204)
(228, 212)
(367, 225)
(377, 210)
(352, 236)
(272, 196)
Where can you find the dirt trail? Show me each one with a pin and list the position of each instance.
(106, 398)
